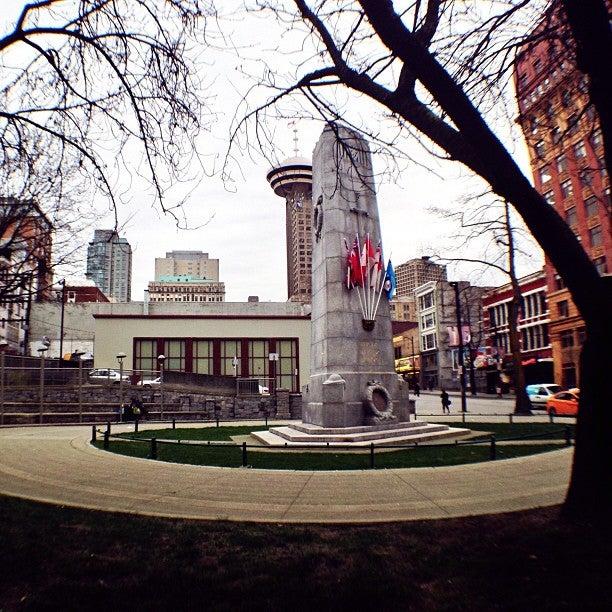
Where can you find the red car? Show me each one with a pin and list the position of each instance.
(565, 402)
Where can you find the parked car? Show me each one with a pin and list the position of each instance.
(105, 375)
(565, 402)
(153, 382)
(539, 394)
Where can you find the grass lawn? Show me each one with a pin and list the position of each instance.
(423, 456)
(56, 558)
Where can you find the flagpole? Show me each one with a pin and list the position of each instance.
(367, 258)
(382, 283)
(363, 288)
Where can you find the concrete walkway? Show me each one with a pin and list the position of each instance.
(58, 465)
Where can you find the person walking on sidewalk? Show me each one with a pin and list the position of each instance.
(446, 402)
(417, 389)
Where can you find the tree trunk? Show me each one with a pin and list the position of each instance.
(590, 496)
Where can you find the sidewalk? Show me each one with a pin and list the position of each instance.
(58, 465)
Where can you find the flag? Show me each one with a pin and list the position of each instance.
(354, 276)
(390, 282)
(377, 268)
(367, 257)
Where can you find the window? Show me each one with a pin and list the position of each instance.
(230, 350)
(539, 148)
(566, 189)
(533, 124)
(600, 264)
(563, 308)
(146, 355)
(555, 135)
(561, 163)
(286, 366)
(590, 206)
(581, 335)
(566, 98)
(567, 338)
(426, 301)
(595, 237)
(572, 124)
(545, 176)
(559, 282)
(579, 150)
(596, 138)
(174, 350)
(570, 216)
(203, 356)
(586, 177)
(429, 341)
(537, 65)
(549, 196)
(258, 358)
(428, 321)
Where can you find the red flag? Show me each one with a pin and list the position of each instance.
(377, 267)
(354, 267)
(367, 256)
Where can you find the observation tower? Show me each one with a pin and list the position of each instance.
(292, 180)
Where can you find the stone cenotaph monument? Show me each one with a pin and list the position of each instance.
(352, 375)
(354, 394)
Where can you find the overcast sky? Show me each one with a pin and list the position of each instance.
(243, 224)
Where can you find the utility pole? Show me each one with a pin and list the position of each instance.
(61, 339)
(455, 286)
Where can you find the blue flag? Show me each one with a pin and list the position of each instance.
(390, 282)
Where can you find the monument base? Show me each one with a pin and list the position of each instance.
(307, 434)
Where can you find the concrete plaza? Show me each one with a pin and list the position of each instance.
(59, 465)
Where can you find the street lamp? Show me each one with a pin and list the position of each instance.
(79, 355)
(161, 360)
(41, 351)
(3, 345)
(455, 286)
(120, 357)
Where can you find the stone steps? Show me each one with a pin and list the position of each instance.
(309, 428)
(416, 431)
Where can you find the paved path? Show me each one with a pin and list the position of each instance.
(58, 465)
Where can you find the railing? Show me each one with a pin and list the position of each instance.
(254, 386)
(154, 443)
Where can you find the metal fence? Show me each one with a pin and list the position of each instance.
(491, 441)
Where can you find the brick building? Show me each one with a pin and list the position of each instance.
(567, 160)
(536, 351)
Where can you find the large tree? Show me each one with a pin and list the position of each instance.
(438, 67)
(96, 97)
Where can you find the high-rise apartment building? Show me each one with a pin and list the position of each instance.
(567, 160)
(417, 272)
(195, 264)
(292, 180)
(109, 264)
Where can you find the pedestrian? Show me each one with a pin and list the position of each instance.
(446, 402)
(431, 384)
(136, 407)
(417, 389)
(498, 390)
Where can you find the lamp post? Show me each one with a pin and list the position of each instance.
(120, 357)
(62, 296)
(79, 355)
(3, 345)
(455, 286)
(161, 360)
(42, 350)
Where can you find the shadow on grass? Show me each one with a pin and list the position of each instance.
(56, 558)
